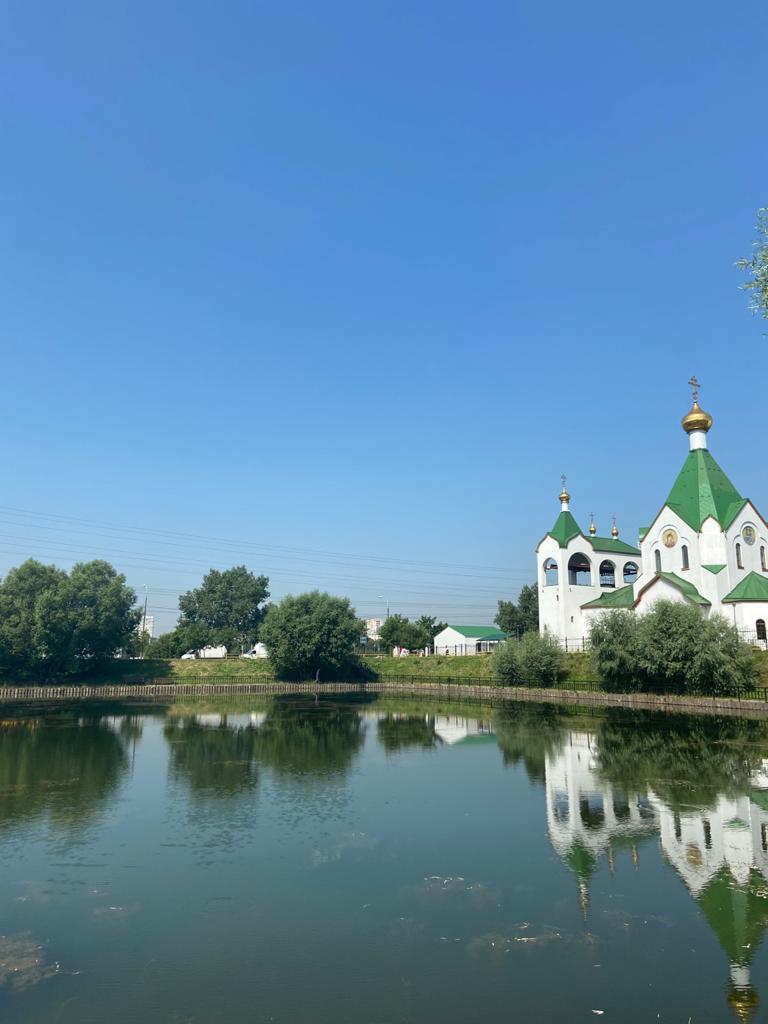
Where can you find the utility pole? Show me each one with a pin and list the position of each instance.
(144, 622)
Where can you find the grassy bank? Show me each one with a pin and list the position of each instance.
(577, 669)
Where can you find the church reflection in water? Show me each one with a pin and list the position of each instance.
(720, 852)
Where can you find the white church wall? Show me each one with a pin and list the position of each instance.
(750, 553)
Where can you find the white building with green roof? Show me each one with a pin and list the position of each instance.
(707, 546)
(459, 640)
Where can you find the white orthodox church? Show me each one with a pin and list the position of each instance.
(707, 546)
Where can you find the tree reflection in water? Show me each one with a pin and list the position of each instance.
(309, 738)
(65, 767)
(398, 732)
(213, 754)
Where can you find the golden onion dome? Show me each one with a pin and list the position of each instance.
(592, 527)
(696, 419)
(744, 1002)
(564, 495)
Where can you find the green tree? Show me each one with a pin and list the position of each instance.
(615, 651)
(757, 267)
(312, 633)
(226, 608)
(429, 627)
(522, 616)
(86, 620)
(672, 648)
(53, 624)
(398, 631)
(535, 660)
(20, 592)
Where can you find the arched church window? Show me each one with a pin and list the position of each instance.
(763, 566)
(739, 559)
(579, 571)
(686, 563)
(607, 574)
(630, 572)
(657, 558)
(760, 628)
(551, 574)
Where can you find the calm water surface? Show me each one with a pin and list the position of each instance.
(382, 862)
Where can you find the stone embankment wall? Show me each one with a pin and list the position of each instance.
(163, 690)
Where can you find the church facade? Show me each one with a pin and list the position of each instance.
(707, 546)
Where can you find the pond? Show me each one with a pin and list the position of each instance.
(381, 861)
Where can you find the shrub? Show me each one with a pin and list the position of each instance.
(672, 648)
(505, 665)
(535, 660)
(615, 651)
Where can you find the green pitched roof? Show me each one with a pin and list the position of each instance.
(612, 545)
(686, 589)
(701, 490)
(752, 588)
(481, 632)
(642, 531)
(737, 914)
(624, 597)
(715, 569)
(565, 529)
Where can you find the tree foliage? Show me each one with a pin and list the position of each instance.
(54, 624)
(312, 633)
(226, 609)
(672, 648)
(517, 618)
(756, 266)
(534, 660)
(398, 631)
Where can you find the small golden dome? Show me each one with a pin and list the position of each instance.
(744, 1002)
(592, 527)
(696, 419)
(564, 495)
(614, 528)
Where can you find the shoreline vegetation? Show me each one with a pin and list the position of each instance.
(577, 668)
(450, 677)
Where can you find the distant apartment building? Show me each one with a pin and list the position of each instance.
(373, 628)
(147, 625)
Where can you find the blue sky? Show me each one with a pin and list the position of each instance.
(339, 290)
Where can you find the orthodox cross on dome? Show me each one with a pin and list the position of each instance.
(695, 386)
(564, 495)
(614, 528)
(592, 527)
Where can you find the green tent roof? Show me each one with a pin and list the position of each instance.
(611, 545)
(753, 587)
(701, 490)
(715, 569)
(686, 589)
(565, 529)
(737, 914)
(624, 597)
(481, 632)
